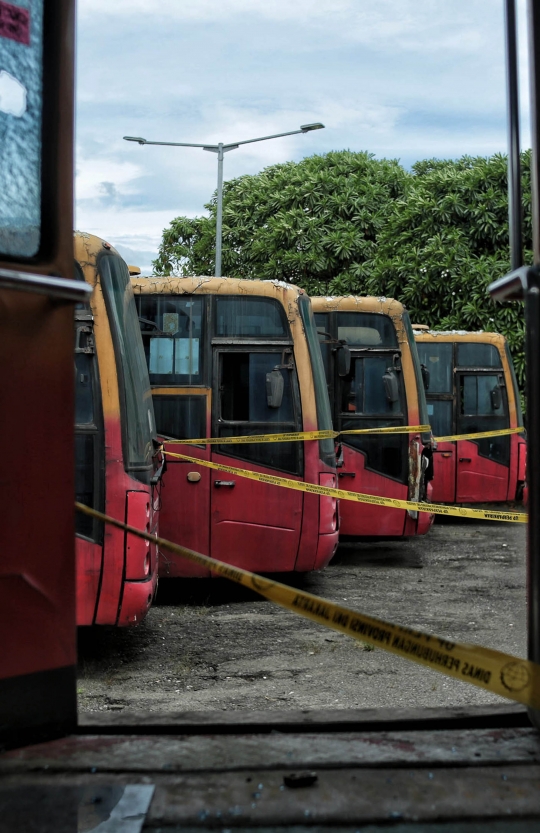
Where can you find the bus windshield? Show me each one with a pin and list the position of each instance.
(324, 415)
(136, 396)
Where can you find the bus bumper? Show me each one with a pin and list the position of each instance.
(326, 549)
(136, 601)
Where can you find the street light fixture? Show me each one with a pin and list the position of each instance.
(222, 149)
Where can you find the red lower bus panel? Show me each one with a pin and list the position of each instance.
(37, 567)
(307, 558)
(363, 519)
(444, 473)
(185, 512)
(479, 480)
(425, 520)
(118, 484)
(322, 513)
(136, 600)
(138, 552)
(254, 525)
(88, 556)
(522, 462)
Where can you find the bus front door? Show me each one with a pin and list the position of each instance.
(372, 464)
(482, 466)
(256, 525)
(185, 492)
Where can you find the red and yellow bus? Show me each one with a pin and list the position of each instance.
(115, 444)
(472, 388)
(380, 387)
(230, 358)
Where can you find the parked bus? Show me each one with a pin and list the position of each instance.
(472, 387)
(115, 444)
(232, 357)
(380, 387)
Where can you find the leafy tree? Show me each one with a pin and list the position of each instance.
(446, 240)
(305, 222)
(346, 222)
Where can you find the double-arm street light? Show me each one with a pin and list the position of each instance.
(221, 149)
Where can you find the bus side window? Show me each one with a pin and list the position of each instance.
(477, 396)
(84, 389)
(244, 408)
(438, 360)
(172, 331)
(483, 406)
(87, 444)
(364, 390)
(243, 388)
(322, 321)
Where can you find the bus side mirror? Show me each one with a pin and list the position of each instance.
(275, 386)
(496, 398)
(391, 387)
(343, 360)
(425, 376)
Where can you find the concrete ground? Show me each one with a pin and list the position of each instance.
(208, 644)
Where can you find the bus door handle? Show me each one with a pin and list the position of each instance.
(465, 459)
(347, 474)
(229, 483)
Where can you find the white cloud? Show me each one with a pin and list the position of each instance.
(94, 177)
(418, 25)
(136, 229)
(400, 78)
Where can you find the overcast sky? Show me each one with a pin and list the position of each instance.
(406, 79)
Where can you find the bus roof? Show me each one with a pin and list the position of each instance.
(203, 285)
(479, 337)
(357, 303)
(87, 247)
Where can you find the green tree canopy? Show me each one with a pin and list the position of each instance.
(345, 222)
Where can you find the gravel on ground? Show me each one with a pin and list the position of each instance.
(210, 645)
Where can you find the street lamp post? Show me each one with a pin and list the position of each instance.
(221, 149)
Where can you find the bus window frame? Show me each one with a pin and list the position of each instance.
(204, 351)
(515, 386)
(366, 353)
(222, 346)
(367, 420)
(480, 444)
(55, 249)
(95, 429)
(327, 448)
(337, 385)
(140, 472)
(449, 396)
(459, 371)
(421, 391)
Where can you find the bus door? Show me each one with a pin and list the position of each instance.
(482, 465)
(255, 525)
(372, 396)
(438, 359)
(173, 329)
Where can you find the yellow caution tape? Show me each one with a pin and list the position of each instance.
(301, 436)
(479, 435)
(342, 494)
(509, 676)
(393, 429)
(292, 436)
(298, 436)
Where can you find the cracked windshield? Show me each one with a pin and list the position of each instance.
(291, 382)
